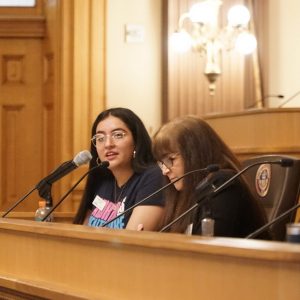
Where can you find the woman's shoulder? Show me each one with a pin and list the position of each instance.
(151, 173)
(154, 168)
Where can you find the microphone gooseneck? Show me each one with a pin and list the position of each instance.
(261, 101)
(103, 164)
(285, 162)
(208, 169)
(269, 224)
(18, 202)
(289, 99)
(206, 188)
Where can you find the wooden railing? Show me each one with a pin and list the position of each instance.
(260, 131)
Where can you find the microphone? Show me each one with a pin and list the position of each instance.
(45, 184)
(203, 191)
(208, 194)
(208, 169)
(103, 164)
(289, 99)
(81, 158)
(261, 101)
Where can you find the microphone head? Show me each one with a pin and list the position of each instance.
(213, 168)
(286, 162)
(82, 158)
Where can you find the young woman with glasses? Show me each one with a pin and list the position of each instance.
(120, 137)
(187, 144)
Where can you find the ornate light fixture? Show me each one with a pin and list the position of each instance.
(202, 34)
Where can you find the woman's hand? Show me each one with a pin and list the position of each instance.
(140, 227)
(147, 215)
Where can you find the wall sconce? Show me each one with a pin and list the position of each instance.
(203, 34)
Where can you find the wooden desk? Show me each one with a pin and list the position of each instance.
(65, 261)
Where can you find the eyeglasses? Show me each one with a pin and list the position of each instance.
(167, 161)
(100, 138)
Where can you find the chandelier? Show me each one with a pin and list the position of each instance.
(199, 30)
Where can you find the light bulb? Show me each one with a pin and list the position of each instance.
(205, 12)
(245, 43)
(238, 15)
(180, 41)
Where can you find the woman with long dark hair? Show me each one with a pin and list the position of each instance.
(120, 137)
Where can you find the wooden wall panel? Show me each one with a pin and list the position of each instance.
(33, 11)
(52, 66)
(51, 123)
(73, 85)
(21, 117)
(12, 163)
(260, 132)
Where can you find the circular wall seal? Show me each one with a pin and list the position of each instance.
(263, 179)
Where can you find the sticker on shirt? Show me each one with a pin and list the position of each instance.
(99, 202)
(106, 210)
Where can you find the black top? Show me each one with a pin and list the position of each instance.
(234, 210)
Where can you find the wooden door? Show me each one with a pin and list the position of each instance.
(20, 112)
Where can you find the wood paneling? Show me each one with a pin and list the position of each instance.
(51, 88)
(33, 11)
(258, 132)
(21, 117)
(22, 26)
(80, 81)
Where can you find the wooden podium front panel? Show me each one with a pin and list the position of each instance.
(63, 261)
(257, 132)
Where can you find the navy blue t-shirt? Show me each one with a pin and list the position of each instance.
(110, 200)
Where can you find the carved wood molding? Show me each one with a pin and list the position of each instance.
(22, 26)
(293, 150)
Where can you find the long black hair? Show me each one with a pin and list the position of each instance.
(143, 157)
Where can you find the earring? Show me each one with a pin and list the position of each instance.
(134, 153)
(98, 162)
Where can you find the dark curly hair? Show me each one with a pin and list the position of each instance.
(142, 160)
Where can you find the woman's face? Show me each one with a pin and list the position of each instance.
(114, 143)
(172, 165)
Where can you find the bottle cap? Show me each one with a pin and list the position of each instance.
(42, 203)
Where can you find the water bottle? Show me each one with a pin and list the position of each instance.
(42, 211)
(208, 227)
